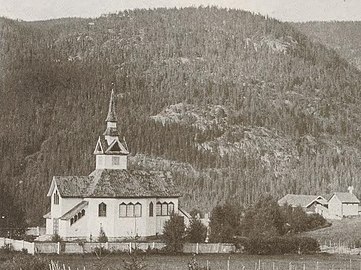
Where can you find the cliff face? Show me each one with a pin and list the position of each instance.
(234, 104)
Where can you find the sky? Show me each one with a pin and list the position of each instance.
(284, 10)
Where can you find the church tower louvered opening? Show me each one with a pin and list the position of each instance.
(111, 152)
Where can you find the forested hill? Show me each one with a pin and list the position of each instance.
(233, 103)
(344, 37)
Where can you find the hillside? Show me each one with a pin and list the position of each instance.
(344, 232)
(235, 104)
(343, 37)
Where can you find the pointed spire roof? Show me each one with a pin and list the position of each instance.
(112, 116)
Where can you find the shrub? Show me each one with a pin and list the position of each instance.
(56, 238)
(197, 231)
(173, 233)
(7, 248)
(281, 245)
(102, 236)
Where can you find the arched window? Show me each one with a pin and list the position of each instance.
(102, 210)
(83, 212)
(170, 208)
(130, 210)
(164, 209)
(75, 218)
(122, 210)
(151, 209)
(71, 221)
(159, 209)
(79, 215)
(56, 197)
(138, 210)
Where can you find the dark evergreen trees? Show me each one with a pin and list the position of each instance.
(174, 233)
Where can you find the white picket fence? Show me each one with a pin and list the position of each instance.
(89, 247)
(18, 245)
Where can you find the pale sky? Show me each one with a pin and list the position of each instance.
(285, 10)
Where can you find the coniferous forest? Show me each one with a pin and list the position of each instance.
(236, 105)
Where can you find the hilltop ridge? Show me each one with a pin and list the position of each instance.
(234, 104)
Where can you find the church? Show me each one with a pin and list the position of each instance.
(113, 200)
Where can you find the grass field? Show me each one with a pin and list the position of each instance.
(345, 231)
(218, 262)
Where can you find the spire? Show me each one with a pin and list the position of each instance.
(112, 116)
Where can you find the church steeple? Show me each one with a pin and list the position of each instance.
(111, 133)
(110, 152)
(112, 116)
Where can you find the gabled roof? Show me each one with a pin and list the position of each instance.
(47, 215)
(346, 197)
(75, 210)
(185, 213)
(116, 184)
(99, 147)
(301, 200)
(116, 147)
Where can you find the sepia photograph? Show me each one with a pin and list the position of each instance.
(180, 134)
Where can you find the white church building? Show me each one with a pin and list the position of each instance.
(120, 202)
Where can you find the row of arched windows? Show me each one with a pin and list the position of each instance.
(77, 217)
(130, 210)
(165, 209)
(135, 210)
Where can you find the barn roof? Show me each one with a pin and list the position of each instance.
(346, 197)
(116, 184)
(301, 200)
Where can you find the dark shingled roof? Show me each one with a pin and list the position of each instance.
(117, 184)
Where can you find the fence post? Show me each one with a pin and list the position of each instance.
(197, 248)
(130, 247)
(58, 248)
(32, 249)
(153, 245)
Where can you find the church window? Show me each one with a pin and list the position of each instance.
(115, 160)
(122, 210)
(130, 210)
(151, 209)
(79, 215)
(159, 209)
(170, 208)
(71, 221)
(102, 210)
(83, 212)
(56, 197)
(75, 218)
(164, 209)
(138, 210)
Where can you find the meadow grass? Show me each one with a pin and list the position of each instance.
(218, 262)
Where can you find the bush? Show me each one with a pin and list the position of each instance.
(173, 233)
(197, 231)
(102, 236)
(56, 238)
(281, 245)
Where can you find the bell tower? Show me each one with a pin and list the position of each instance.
(111, 153)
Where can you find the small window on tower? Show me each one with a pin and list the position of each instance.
(116, 160)
(56, 197)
